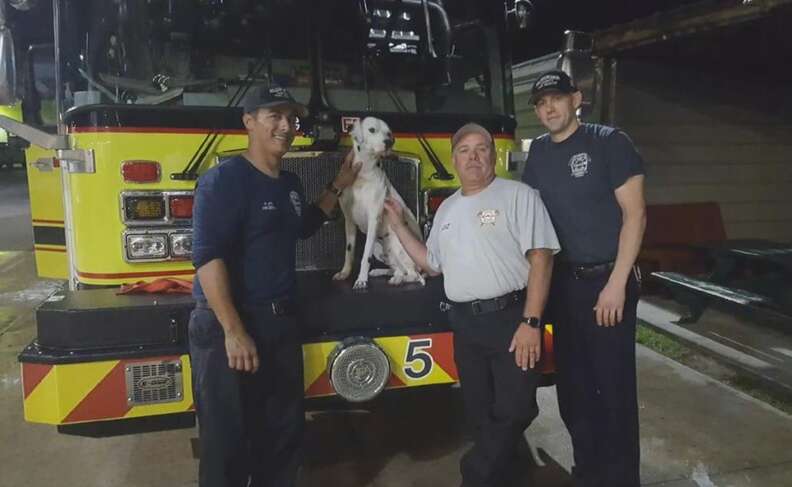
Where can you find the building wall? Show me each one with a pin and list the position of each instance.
(706, 137)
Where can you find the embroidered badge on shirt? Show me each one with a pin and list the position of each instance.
(578, 164)
(295, 200)
(488, 217)
(269, 206)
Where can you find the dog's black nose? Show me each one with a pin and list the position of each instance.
(389, 143)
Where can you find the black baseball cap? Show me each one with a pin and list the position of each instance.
(552, 81)
(270, 97)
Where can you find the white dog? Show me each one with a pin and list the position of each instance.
(362, 205)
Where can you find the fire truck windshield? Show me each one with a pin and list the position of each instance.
(415, 56)
(180, 52)
(398, 64)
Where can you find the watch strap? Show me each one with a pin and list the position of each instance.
(332, 188)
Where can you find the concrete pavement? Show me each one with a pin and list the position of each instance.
(695, 431)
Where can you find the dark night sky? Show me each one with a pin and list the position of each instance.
(553, 17)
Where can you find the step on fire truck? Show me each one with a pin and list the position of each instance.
(142, 98)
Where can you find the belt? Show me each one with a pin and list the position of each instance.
(276, 307)
(587, 271)
(482, 306)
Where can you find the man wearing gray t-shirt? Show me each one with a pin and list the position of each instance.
(494, 243)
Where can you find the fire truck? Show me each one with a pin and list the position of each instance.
(143, 98)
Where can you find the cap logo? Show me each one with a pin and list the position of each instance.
(278, 92)
(548, 80)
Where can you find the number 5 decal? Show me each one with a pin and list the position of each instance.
(416, 353)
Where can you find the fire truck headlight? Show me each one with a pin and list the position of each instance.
(146, 246)
(181, 245)
(358, 369)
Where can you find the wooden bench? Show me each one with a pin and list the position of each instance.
(674, 236)
(697, 294)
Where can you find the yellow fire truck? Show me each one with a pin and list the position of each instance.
(146, 95)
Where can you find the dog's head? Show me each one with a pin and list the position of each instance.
(372, 138)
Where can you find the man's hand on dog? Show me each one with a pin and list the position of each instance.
(394, 213)
(347, 173)
(241, 351)
(526, 345)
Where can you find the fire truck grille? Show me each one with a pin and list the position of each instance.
(325, 249)
(154, 382)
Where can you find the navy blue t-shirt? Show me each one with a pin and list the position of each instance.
(576, 179)
(252, 221)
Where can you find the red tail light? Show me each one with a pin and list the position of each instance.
(181, 207)
(434, 201)
(140, 171)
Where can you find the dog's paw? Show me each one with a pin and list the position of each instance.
(360, 284)
(340, 275)
(396, 280)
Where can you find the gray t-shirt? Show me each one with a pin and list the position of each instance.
(479, 242)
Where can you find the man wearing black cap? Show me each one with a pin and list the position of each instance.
(244, 349)
(591, 179)
(494, 244)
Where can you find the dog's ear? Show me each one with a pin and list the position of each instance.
(357, 133)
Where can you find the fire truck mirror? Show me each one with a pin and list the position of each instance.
(7, 65)
(577, 61)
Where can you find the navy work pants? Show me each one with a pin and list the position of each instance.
(596, 380)
(250, 425)
(500, 399)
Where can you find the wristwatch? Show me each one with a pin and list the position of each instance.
(531, 321)
(332, 188)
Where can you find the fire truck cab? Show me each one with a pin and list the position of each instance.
(145, 97)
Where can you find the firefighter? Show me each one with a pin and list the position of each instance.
(244, 344)
(494, 243)
(591, 179)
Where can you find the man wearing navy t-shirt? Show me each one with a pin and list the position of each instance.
(591, 179)
(244, 345)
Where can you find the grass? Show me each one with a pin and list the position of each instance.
(662, 344)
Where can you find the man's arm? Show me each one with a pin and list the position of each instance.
(630, 196)
(416, 249)
(527, 342)
(541, 261)
(240, 348)
(217, 220)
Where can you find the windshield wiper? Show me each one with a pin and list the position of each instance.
(190, 171)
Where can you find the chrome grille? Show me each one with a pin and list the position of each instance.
(154, 382)
(325, 250)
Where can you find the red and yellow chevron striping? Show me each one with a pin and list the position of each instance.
(93, 391)
(97, 391)
(415, 360)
